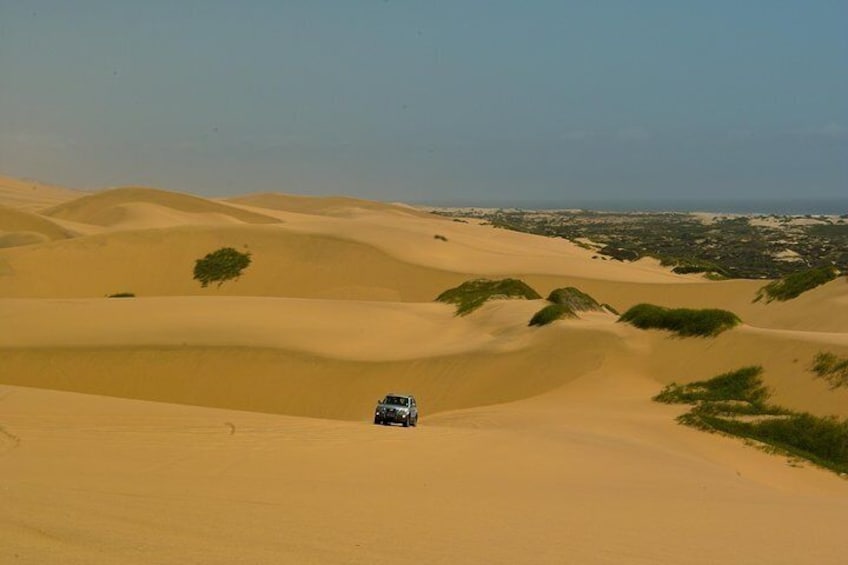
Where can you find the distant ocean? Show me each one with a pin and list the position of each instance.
(830, 206)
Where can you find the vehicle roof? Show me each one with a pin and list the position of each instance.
(399, 394)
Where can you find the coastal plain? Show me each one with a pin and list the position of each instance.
(232, 423)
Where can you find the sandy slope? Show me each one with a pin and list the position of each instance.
(108, 208)
(536, 444)
(340, 206)
(592, 474)
(19, 227)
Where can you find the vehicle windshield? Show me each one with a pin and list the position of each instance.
(396, 401)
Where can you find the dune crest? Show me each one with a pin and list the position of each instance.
(336, 206)
(19, 227)
(106, 208)
(33, 196)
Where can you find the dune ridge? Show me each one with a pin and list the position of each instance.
(340, 206)
(19, 227)
(31, 195)
(106, 208)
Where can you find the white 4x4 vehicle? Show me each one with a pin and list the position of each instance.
(397, 409)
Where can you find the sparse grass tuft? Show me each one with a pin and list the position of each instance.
(472, 294)
(551, 313)
(440, 237)
(831, 368)
(793, 285)
(734, 403)
(574, 298)
(741, 385)
(122, 295)
(610, 309)
(686, 322)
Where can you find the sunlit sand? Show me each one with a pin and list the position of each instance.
(233, 424)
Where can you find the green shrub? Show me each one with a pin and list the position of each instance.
(683, 266)
(472, 294)
(831, 368)
(574, 298)
(719, 403)
(122, 295)
(551, 313)
(682, 321)
(795, 284)
(220, 266)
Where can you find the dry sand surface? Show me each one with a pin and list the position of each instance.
(536, 445)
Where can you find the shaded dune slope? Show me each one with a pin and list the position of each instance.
(333, 359)
(108, 208)
(160, 263)
(19, 227)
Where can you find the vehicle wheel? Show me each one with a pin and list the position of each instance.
(406, 422)
(377, 421)
(415, 422)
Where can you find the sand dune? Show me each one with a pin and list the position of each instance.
(18, 227)
(593, 474)
(536, 444)
(32, 195)
(159, 262)
(473, 247)
(339, 206)
(109, 208)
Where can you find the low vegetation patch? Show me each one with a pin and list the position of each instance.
(220, 266)
(574, 298)
(795, 284)
(472, 294)
(735, 403)
(122, 295)
(683, 266)
(551, 313)
(609, 309)
(832, 368)
(743, 385)
(440, 237)
(619, 253)
(686, 322)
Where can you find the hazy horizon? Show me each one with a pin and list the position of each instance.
(468, 101)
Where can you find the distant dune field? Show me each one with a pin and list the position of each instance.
(535, 444)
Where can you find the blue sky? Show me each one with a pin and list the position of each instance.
(451, 100)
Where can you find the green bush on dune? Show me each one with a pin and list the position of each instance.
(472, 294)
(574, 298)
(220, 266)
(551, 313)
(565, 303)
(735, 403)
(795, 284)
(686, 322)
